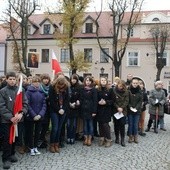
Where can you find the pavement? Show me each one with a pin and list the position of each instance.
(151, 153)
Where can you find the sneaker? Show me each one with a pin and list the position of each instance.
(32, 152)
(36, 151)
(13, 158)
(6, 165)
(68, 141)
(72, 141)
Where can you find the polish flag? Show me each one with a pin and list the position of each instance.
(55, 64)
(17, 109)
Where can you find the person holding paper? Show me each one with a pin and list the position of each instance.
(106, 99)
(120, 111)
(134, 110)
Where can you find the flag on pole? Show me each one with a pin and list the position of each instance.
(17, 108)
(55, 64)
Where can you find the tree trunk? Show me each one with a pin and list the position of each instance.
(158, 74)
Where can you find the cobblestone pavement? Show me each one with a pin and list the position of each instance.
(152, 153)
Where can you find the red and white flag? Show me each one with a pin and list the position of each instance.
(55, 64)
(17, 108)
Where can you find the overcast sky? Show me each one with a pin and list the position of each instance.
(95, 4)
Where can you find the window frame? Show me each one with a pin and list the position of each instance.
(88, 58)
(104, 56)
(45, 27)
(133, 57)
(64, 55)
(42, 55)
(88, 28)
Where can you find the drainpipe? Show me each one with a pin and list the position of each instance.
(5, 61)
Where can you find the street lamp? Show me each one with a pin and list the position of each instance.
(102, 70)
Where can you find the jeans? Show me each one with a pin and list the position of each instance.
(133, 120)
(57, 121)
(161, 121)
(71, 128)
(88, 126)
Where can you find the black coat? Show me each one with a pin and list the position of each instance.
(145, 100)
(74, 93)
(104, 112)
(88, 101)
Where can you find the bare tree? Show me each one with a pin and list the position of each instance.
(160, 34)
(119, 10)
(17, 15)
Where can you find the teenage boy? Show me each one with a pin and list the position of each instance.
(7, 99)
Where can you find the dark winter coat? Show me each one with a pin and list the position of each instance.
(122, 100)
(74, 92)
(7, 99)
(36, 103)
(104, 112)
(54, 101)
(145, 99)
(135, 100)
(88, 101)
(160, 95)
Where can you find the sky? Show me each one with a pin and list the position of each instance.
(95, 5)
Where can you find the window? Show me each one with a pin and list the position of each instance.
(88, 55)
(32, 50)
(103, 57)
(65, 56)
(29, 29)
(45, 56)
(46, 28)
(89, 27)
(165, 58)
(133, 59)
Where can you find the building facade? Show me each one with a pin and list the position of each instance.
(139, 59)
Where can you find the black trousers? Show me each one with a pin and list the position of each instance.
(7, 149)
(32, 133)
(119, 127)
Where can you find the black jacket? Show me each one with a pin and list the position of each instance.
(88, 101)
(74, 92)
(54, 101)
(7, 99)
(104, 112)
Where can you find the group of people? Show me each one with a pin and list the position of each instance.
(77, 106)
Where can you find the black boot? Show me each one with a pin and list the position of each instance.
(117, 139)
(123, 141)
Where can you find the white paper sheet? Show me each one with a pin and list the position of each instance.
(118, 115)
